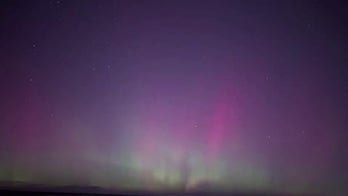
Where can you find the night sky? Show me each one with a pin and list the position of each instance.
(175, 95)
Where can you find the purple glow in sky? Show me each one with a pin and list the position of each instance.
(174, 95)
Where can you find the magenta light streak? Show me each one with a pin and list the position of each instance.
(223, 125)
(217, 132)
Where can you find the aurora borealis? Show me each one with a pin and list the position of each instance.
(174, 95)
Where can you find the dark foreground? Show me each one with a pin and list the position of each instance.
(88, 192)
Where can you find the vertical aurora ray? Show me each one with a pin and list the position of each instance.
(223, 125)
(217, 132)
